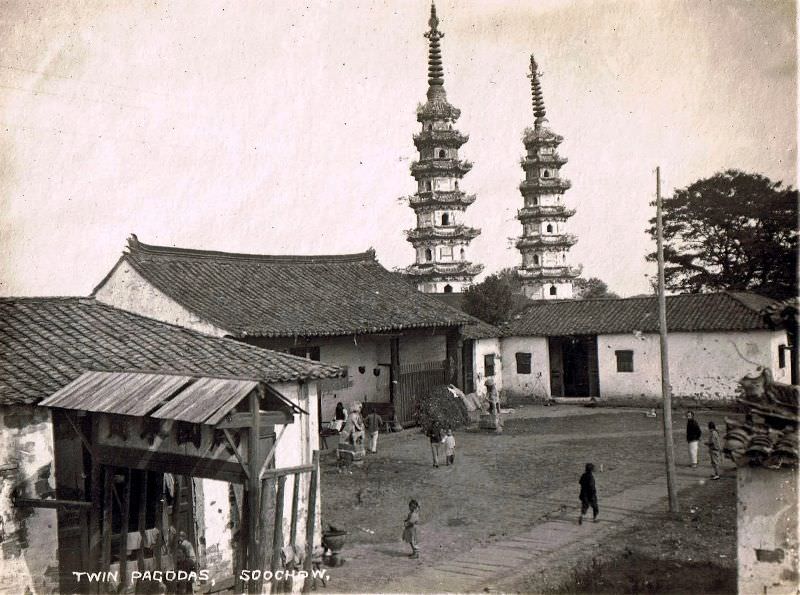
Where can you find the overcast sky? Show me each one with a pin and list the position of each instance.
(285, 127)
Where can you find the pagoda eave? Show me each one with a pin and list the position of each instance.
(541, 185)
(436, 200)
(463, 270)
(550, 273)
(444, 138)
(557, 213)
(540, 160)
(565, 240)
(454, 236)
(444, 167)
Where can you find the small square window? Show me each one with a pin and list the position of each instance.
(488, 364)
(446, 252)
(624, 361)
(523, 363)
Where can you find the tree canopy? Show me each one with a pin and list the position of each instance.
(734, 230)
(591, 288)
(496, 298)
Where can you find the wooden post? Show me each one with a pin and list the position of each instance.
(267, 494)
(108, 485)
(244, 534)
(253, 483)
(666, 389)
(125, 511)
(142, 520)
(295, 504)
(277, 535)
(160, 523)
(95, 535)
(311, 519)
(394, 368)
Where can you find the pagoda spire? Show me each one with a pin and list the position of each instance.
(537, 99)
(435, 70)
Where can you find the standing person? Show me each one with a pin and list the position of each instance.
(410, 535)
(373, 424)
(714, 448)
(450, 447)
(588, 495)
(435, 435)
(340, 416)
(693, 435)
(185, 560)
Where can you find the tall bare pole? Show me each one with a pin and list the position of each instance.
(666, 389)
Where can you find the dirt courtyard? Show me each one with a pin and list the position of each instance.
(500, 486)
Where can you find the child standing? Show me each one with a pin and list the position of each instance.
(450, 447)
(410, 531)
(588, 495)
(714, 448)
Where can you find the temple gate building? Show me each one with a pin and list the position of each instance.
(440, 238)
(545, 272)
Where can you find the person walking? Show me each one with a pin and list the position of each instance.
(450, 447)
(435, 435)
(373, 424)
(410, 535)
(714, 448)
(693, 435)
(588, 495)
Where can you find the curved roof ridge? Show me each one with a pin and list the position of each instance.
(136, 247)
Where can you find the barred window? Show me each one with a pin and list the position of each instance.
(523, 363)
(624, 360)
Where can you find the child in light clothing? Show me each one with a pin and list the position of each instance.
(410, 535)
(450, 447)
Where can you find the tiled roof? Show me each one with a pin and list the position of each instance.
(46, 343)
(725, 311)
(284, 296)
(478, 330)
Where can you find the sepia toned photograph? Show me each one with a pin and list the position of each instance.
(399, 296)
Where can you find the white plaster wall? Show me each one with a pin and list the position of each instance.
(364, 351)
(767, 520)
(28, 536)
(537, 383)
(415, 349)
(217, 528)
(481, 348)
(128, 290)
(703, 365)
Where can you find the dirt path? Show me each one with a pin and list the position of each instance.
(509, 505)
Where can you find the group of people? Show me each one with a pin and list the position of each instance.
(442, 440)
(693, 436)
(353, 429)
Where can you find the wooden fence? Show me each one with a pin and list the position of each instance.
(415, 381)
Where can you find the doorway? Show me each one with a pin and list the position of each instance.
(573, 366)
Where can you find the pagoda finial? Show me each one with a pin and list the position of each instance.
(536, 94)
(435, 71)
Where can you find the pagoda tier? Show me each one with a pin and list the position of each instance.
(441, 237)
(434, 138)
(458, 233)
(460, 271)
(437, 200)
(544, 244)
(542, 241)
(542, 212)
(427, 168)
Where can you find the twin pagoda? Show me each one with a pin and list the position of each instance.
(441, 237)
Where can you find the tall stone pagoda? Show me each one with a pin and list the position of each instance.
(545, 273)
(440, 238)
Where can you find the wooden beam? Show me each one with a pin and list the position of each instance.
(229, 438)
(288, 471)
(142, 520)
(295, 505)
(277, 535)
(166, 462)
(125, 511)
(55, 503)
(271, 452)
(245, 419)
(80, 434)
(108, 484)
(311, 519)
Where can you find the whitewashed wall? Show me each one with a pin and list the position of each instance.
(363, 352)
(702, 365)
(767, 530)
(28, 536)
(481, 348)
(422, 348)
(128, 290)
(537, 383)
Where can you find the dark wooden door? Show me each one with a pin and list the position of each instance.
(556, 367)
(469, 366)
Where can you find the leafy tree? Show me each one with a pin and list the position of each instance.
(585, 289)
(496, 298)
(735, 231)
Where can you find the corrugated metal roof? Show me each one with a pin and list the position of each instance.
(207, 400)
(163, 396)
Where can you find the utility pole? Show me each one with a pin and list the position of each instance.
(666, 389)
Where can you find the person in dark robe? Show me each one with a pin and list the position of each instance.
(588, 495)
